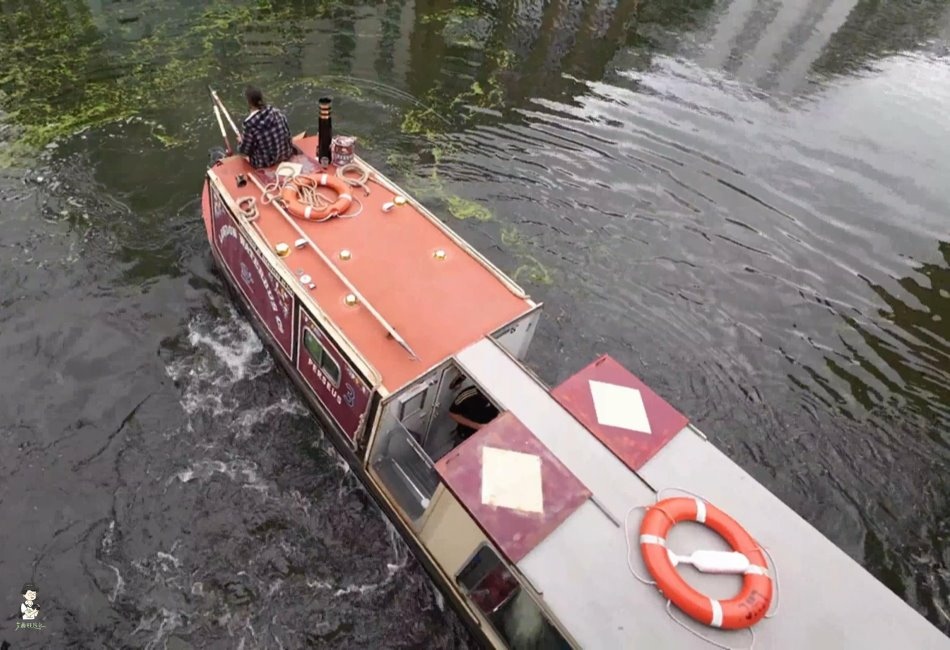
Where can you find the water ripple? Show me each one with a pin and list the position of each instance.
(776, 267)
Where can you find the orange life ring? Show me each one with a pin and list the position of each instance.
(290, 196)
(745, 609)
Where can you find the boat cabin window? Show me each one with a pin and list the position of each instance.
(412, 403)
(516, 617)
(324, 361)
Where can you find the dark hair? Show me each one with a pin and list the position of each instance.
(28, 587)
(254, 96)
(455, 382)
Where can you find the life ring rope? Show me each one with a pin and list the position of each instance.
(304, 190)
(772, 565)
(712, 564)
(301, 199)
(700, 635)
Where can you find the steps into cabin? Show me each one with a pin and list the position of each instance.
(408, 483)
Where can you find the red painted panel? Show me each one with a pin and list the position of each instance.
(264, 290)
(510, 514)
(637, 429)
(346, 400)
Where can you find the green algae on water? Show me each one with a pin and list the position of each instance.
(536, 272)
(533, 268)
(465, 209)
(61, 73)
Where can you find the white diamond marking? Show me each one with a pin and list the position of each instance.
(512, 479)
(620, 406)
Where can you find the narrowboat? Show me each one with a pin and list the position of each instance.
(588, 515)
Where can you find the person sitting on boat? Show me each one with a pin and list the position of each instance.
(266, 140)
(471, 410)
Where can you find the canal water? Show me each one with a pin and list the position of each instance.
(746, 203)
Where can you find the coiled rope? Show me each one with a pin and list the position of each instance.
(248, 207)
(354, 182)
(310, 196)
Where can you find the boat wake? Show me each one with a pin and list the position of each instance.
(223, 353)
(255, 535)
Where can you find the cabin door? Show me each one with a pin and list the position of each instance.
(439, 428)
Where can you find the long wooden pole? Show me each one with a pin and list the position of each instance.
(224, 134)
(217, 100)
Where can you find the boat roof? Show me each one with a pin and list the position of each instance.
(588, 457)
(437, 306)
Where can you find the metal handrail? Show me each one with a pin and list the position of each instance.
(339, 274)
(416, 447)
(428, 467)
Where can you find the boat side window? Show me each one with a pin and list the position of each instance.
(412, 403)
(321, 357)
(512, 612)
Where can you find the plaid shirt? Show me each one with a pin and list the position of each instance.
(266, 138)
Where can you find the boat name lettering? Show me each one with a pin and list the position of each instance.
(264, 276)
(226, 231)
(218, 206)
(284, 299)
(319, 372)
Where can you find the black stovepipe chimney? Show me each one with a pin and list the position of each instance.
(324, 132)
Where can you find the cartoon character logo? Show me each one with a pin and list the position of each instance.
(350, 397)
(246, 275)
(30, 609)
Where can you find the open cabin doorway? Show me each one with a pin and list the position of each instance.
(441, 436)
(416, 430)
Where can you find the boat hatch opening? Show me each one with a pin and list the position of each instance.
(416, 430)
(516, 617)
